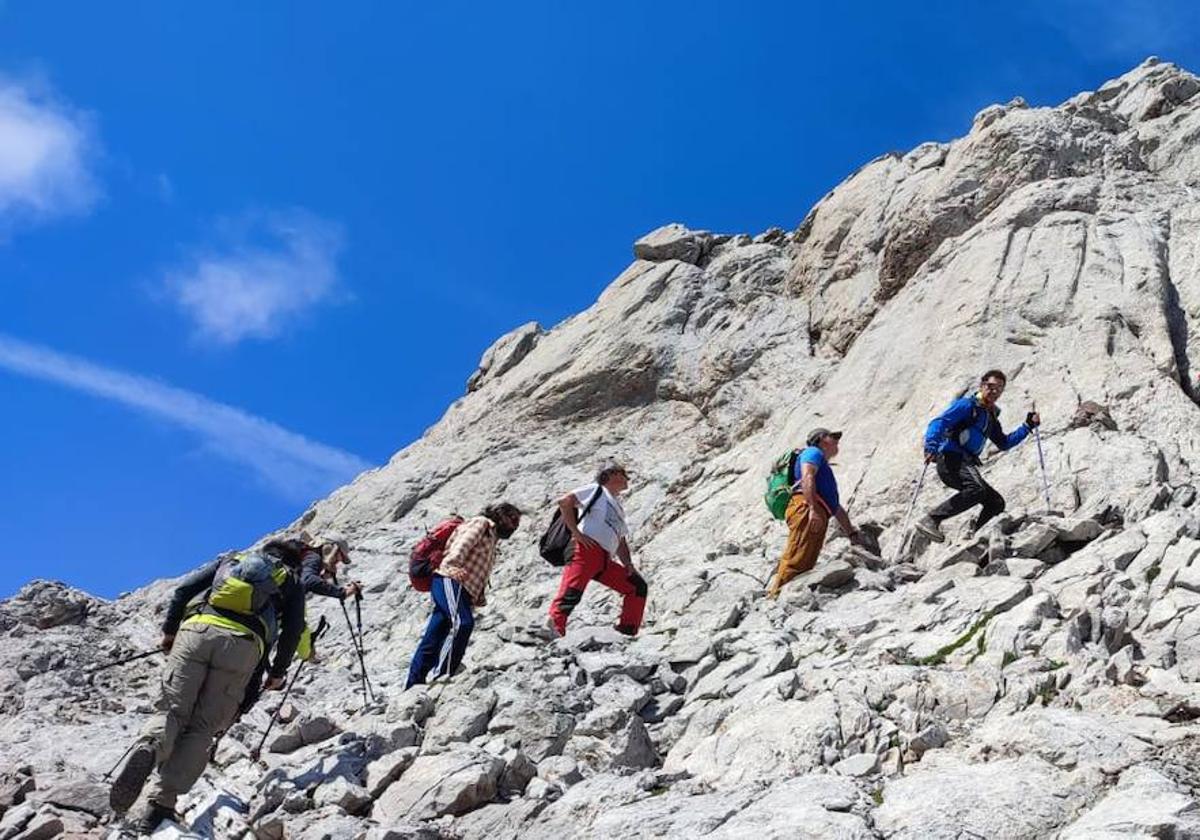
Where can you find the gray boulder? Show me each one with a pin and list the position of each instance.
(453, 782)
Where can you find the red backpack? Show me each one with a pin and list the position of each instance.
(427, 554)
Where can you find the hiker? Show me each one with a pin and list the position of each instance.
(814, 500)
(320, 559)
(319, 568)
(458, 589)
(213, 653)
(954, 440)
(599, 535)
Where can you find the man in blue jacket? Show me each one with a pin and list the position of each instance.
(954, 440)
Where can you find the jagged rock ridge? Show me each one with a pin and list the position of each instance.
(1035, 681)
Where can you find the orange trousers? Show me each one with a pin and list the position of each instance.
(806, 535)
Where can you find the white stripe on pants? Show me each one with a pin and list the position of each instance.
(443, 665)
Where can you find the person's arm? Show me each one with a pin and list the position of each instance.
(253, 688)
(1008, 441)
(311, 580)
(808, 486)
(568, 507)
(938, 431)
(188, 588)
(846, 525)
(625, 555)
(289, 635)
(462, 548)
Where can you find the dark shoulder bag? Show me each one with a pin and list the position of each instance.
(557, 545)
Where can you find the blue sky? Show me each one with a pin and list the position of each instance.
(247, 249)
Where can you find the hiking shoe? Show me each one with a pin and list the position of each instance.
(626, 629)
(152, 817)
(927, 526)
(127, 787)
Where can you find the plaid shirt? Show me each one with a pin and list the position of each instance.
(469, 556)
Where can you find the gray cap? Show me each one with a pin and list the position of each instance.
(814, 437)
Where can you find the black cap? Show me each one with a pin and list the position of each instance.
(814, 437)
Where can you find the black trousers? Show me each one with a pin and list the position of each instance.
(961, 473)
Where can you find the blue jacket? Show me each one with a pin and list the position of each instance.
(966, 427)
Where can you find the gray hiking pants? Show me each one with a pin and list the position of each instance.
(201, 689)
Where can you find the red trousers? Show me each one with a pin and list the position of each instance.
(588, 564)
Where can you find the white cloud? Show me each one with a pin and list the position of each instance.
(273, 268)
(297, 468)
(45, 152)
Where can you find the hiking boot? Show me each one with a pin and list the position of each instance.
(927, 526)
(152, 817)
(626, 629)
(127, 787)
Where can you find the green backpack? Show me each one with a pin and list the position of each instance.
(779, 484)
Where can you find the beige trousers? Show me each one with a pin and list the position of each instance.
(806, 535)
(202, 688)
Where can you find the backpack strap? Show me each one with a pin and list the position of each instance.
(591, 501)
(791, 468)
(968, 423)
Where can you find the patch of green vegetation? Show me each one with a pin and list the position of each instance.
(980, 648)
(1047, 695)
(939, 657)
(1055, 664)
(877, 796)
(659, 790)
(1009, 658)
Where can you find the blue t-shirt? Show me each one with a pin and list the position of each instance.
(826, 483)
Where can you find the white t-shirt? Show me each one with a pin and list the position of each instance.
(605, 522)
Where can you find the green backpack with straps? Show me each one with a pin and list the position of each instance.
(779, 484)
(245, 583)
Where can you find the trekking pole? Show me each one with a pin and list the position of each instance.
(362, 648)
(123, 661)
(1037, 437)
(908, 516)
(113, 769)
(322, 625)
(368, 696)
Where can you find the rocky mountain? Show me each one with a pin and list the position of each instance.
(1036, 680)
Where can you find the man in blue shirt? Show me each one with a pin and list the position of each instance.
(954, 440)
(814, 500)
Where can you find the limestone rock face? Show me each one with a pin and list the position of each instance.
(1034, 680)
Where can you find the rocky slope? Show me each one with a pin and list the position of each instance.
(1033, 681)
